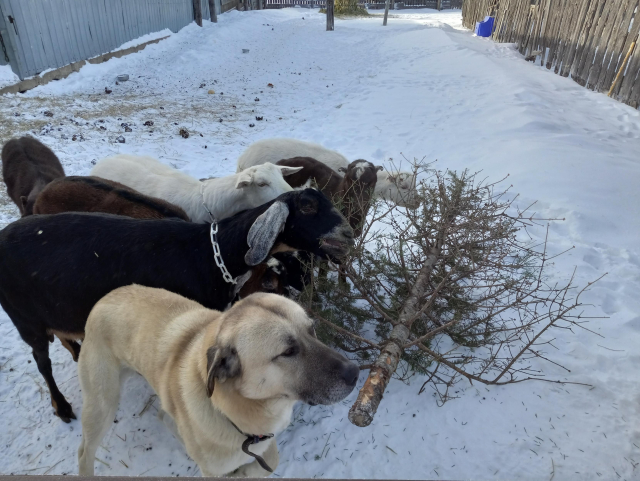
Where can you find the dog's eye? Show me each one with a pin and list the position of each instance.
(292, 351)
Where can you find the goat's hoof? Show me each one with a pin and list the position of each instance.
(65, 413)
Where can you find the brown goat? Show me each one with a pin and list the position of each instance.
(351, 192)
(95, 194)
(27, 167)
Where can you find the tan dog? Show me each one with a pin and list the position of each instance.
(216, 374)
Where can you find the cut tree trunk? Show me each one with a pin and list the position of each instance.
(364, 409)
(386, 13)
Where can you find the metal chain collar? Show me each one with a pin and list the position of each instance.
(217, 255)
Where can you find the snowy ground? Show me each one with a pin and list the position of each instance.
(7, 77)
(422, 86)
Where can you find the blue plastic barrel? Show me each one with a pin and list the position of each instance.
(484, 28)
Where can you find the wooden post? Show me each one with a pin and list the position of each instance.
(386, 13)
(197, 12)
(330, 15)
(212, 10)
(439, 5)
(624, 64)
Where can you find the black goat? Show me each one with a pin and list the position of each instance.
(54, 268)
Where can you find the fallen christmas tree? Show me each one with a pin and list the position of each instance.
(453, 289)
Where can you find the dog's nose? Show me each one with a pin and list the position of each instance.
(350, 373)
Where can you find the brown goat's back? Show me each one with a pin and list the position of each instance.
(95, 194)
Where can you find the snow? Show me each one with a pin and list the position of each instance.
(7, 77)
(421, 87)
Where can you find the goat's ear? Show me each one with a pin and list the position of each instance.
(391, 177)
(286, 170)
(244, 180)
(240, 282)
(379, 168)
(264, 231)
(342, 169)
(222, 364)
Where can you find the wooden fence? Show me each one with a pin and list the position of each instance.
(372, 4)
(590, 40)
(295, 3)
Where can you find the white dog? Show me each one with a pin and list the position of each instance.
(227, 381)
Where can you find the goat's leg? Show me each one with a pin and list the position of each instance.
(72, 346)
(40, 348)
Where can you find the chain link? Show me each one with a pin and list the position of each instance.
(217, 255)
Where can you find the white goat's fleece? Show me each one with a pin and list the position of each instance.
(398, 187)
(224, 196)
(273, 150)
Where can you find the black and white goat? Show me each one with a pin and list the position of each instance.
(352, 192)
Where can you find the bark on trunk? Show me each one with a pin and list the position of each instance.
(364, 409)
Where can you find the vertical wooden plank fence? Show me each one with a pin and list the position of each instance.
(587, 40)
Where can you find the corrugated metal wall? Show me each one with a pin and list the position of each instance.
(44, 34)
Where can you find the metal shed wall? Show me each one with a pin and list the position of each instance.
(45, 34)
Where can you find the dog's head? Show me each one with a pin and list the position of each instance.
(266, 348)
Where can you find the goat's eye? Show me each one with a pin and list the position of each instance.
(292, 351)
(263, 184)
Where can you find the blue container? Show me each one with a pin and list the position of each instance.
(484, 28)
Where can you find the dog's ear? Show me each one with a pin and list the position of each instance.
(264, 231)
(222, 363)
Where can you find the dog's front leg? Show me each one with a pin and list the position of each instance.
(254, 470)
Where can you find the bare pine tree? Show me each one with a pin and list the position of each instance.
(454, 289)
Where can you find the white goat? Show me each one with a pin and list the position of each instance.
(223, 196)
(398, 187)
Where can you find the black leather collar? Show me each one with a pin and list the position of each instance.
(254, 439)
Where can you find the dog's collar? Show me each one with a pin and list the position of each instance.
(254, 439)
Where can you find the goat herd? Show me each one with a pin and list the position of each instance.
(75, 264)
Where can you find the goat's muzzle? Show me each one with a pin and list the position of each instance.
(337, 242)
